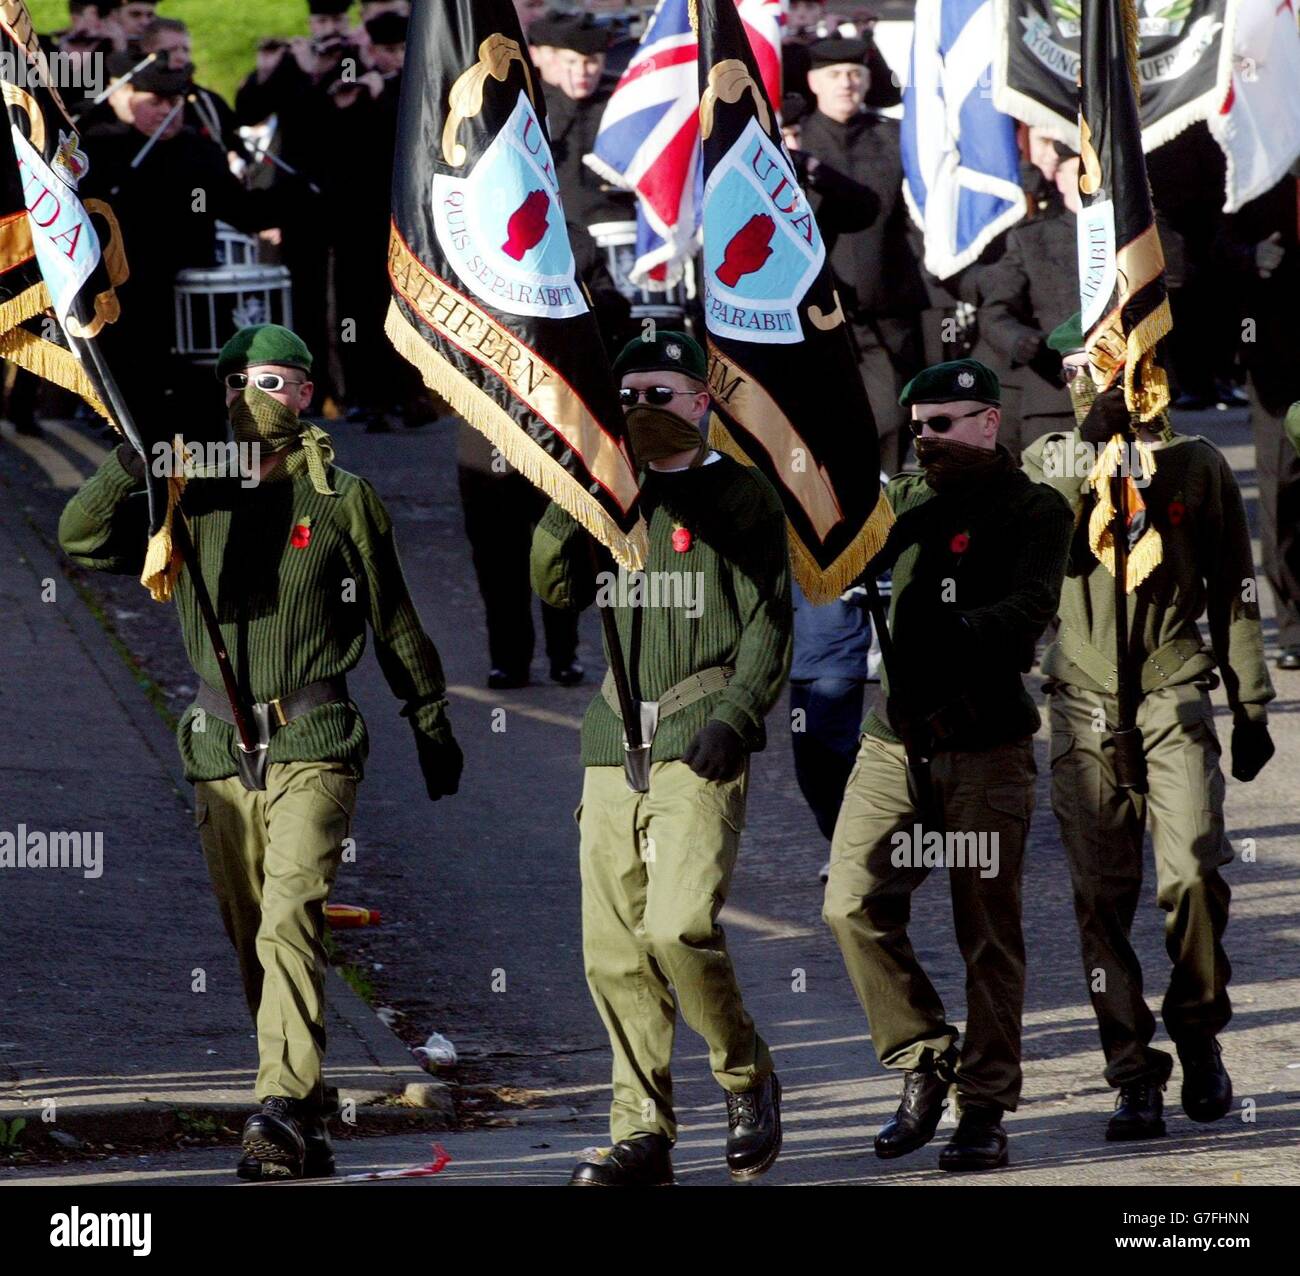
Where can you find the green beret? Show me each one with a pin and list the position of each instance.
(263, 343)
(1067, 337)
(667, 352)
(951, 382)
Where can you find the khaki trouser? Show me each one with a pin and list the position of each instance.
(655, 871)
(1102, 829)
(875, 868)
(272, 857)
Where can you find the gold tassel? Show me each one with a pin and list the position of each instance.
(1148, 553)
(25, 306)
(480, 410)
(162, 560)
(50, 362)
(820, 584)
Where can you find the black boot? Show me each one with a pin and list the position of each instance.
(924, 1091)
(754, 1129)
(568, 673)
(1289, 659)
(642, 1161)
(1207, 1088)
(273, 1142)
(979, 1142)
(1139, 1112)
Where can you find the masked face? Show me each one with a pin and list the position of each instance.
(256, 417)
(657, 433)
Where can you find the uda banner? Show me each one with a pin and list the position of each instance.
(486, 302)
(787, 394)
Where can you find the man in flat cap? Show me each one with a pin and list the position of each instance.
(945, 771)
(707, 629)
(148, 164)
(299, 563)
(575, 102)
(1192, 502)
(874, 262)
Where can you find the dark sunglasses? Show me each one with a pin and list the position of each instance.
(940, 424)
(657, 395)
(267, 381)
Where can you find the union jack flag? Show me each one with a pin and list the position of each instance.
(649, 138)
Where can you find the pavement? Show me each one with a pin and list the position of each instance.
(480, 937)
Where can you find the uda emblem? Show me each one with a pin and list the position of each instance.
(763, 250)
(502, 227)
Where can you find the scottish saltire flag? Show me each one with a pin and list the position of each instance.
(649, 139)
(960, 161)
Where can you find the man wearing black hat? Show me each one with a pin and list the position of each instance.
(1024, 294)
(707, 629)
(169, 187)
(945, 772)
(274, 554)
(575, 103)
(291, 81)
(875, 265)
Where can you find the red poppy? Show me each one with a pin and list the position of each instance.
(681, 539)
(959, 542)
(1176, 512)
(301, 536)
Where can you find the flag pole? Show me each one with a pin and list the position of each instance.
(181, 539)
(1130, 757)
(636, 763)
(918, 765)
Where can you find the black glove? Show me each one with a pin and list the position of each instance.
(131, 460)
(1108, 416)
(716, 753)
(1252, 746)
(440, 763)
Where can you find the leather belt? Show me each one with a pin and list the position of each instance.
(679, 695)
(283, 709)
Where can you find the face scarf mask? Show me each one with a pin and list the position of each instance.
(656, 433)
(950, 465)
(257, 418)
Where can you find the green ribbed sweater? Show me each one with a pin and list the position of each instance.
(1206, 569)
(289, 615)
(974, 586)
(738, 545)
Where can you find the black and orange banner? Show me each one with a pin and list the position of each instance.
(486, 302)
(787, 393)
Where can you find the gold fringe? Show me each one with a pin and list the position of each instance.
(24, 306)
(162, 560)
(1152, 397)
(820, 584)
(1148, 553)
(487, 416)
(50, 362)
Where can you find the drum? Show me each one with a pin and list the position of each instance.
(213, 303)
(234, 248)
(618, 242)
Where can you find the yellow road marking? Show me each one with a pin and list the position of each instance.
(498, 700)
(77, 441)
(58, 469)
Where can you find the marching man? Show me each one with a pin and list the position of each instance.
(1192, 501)
(277, 557)
(978, 552)
(656, 865)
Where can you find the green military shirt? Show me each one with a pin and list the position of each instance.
(975, 582)
(295, 577)
(718, 588)
(1207, 569)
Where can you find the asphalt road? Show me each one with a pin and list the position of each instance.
(480, 938)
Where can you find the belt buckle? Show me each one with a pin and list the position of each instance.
(278, 709)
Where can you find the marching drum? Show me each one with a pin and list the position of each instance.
(234, 248)
(213, 303)
(618, 241)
